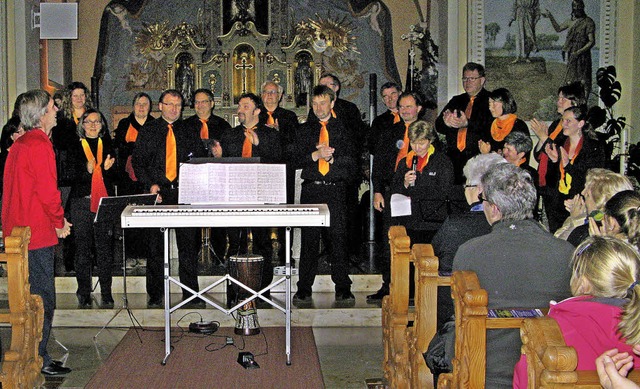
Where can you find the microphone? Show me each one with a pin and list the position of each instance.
(414, 166)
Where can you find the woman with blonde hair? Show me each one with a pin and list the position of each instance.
(605, 310)
(600, 185)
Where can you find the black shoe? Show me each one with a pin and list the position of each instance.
(55, 369)
(84, 300)
(302, 297)
(155, 302)
(107, 301)
(345, 296)
(59, 363)
(384, 291)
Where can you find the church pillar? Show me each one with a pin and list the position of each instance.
(4, 82)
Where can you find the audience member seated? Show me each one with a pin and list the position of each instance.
(518, 263)
(600, 185)
(613, 367)
(605, 309)
(459, 228)
(503, 108)
(621, 218)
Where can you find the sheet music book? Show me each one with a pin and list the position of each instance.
(509, 313)
(232, 183)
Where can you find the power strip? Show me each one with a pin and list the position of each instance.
(204, 327)
(281, 271)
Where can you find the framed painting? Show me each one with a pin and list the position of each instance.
(532, 47)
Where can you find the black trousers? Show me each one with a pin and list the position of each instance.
(91, 239)
(335, 237)
(188, 242)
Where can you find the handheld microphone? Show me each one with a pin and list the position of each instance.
(414, 167)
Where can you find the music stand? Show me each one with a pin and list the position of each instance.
(109, 211)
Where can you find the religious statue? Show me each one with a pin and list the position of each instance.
(184, 76)
(526, 14)
(580, 39)
(302, 81)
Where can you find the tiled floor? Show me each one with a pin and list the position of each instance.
(348, 356)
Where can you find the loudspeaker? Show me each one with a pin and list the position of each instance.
(58, 20)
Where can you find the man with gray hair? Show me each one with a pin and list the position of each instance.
(31, 198)
(518, 263)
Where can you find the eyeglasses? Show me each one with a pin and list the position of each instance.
(466, 79)
(470, 186)
(269, 92)
(92, 123)
(482, 198)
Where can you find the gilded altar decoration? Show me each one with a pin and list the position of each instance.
(153, 43)
(335, 41)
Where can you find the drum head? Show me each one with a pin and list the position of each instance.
(246, 258)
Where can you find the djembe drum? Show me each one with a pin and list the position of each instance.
(247, 269)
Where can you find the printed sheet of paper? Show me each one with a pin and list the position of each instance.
(400, 205)
(232, 183)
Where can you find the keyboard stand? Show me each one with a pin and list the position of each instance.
(200, 294)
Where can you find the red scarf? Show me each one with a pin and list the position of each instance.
(544, 158)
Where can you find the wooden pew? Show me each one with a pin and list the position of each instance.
(418, 337)
(395, 310)
(550, 362)
(472, 323)
(21, 363)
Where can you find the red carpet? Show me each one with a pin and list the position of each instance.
(137, 365)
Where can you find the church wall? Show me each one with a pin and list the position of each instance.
(84, 49)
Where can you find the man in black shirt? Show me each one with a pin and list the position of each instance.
(325, 152)
(162, 145)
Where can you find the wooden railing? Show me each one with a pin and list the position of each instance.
(470, 302)
(395, 310)
(21, 363)
(424, 327)
(550, 362)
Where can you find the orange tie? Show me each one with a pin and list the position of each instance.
(247, 147)
(270, 121)
(323, 166)
(132, 134)
(204, 130)
(405, 146)
(462, 133)
(171, 156)
(396, 117)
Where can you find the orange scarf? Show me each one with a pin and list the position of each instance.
(500, 128)
(98, 189)
(422, 161)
